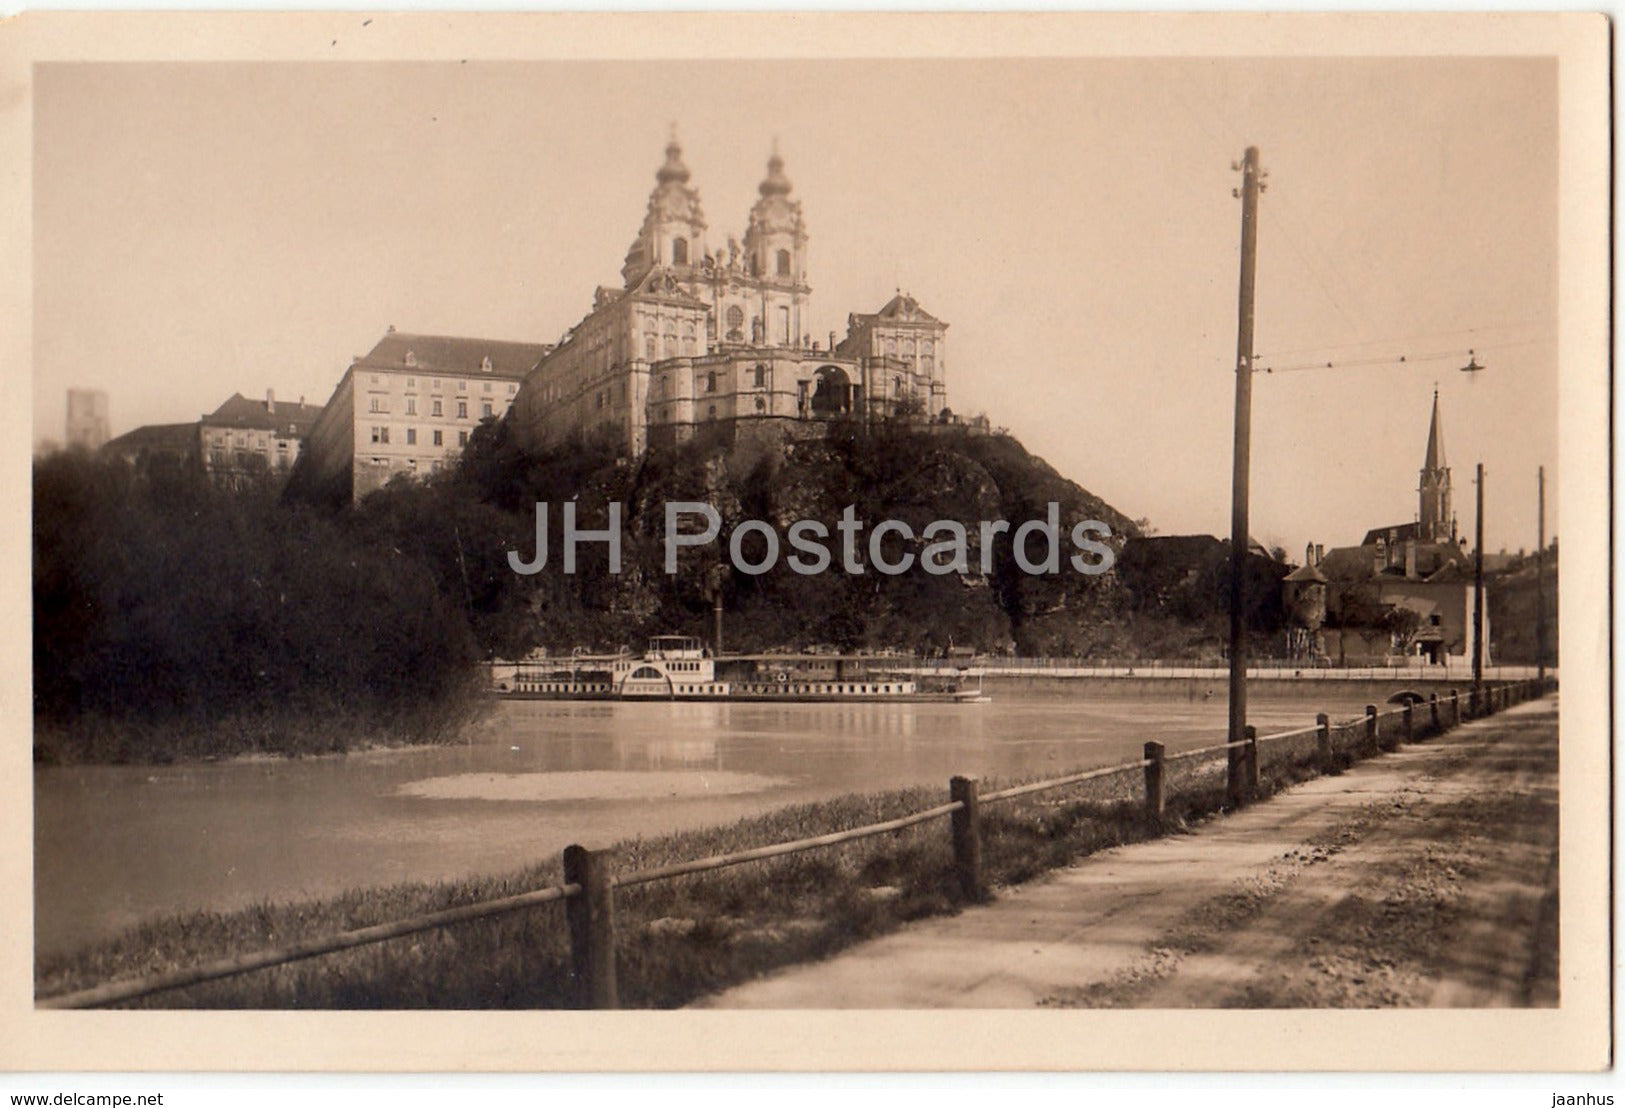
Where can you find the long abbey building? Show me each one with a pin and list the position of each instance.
(702, 338)
(709, 337)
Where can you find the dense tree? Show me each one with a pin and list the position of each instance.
(189, 620)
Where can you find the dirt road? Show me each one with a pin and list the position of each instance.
(1425, 877)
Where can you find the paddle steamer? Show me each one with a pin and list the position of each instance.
(679, 667)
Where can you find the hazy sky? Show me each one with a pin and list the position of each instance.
(201, 229)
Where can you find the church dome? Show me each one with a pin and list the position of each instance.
(674, 169)
(775, 183)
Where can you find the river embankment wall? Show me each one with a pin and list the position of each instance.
(1372, 690)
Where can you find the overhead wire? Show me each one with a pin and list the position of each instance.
(1327, 273)
(1395, 359)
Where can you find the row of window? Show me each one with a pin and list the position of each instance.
(380, 435)
(462, 386)
(261, 441)
(379, 405)
(781, 260)
(758, 379)
(219, 459)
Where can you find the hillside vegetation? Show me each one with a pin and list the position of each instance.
(173, 620)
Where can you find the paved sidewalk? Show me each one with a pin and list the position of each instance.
(1422, 877)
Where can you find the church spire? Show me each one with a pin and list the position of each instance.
(1434, 520)
(1435, 453)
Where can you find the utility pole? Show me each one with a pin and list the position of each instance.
(1540, 584)
(1238, 476)
(1478, 591)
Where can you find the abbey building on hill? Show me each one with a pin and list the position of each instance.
(701, 338)
(706, 337)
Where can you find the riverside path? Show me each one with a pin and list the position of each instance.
(1424, 877)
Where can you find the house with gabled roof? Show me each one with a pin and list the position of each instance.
(245, 442)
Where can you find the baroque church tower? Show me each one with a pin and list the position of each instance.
(1435, 523)
(716, 341)
(776, 255)
(673, 232)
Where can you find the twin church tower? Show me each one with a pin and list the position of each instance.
(707, 338)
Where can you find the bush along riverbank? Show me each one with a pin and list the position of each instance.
(682, 938)
(175, 621)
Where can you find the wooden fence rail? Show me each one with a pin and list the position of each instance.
(836, 838)
(588, 886)
(118, 991)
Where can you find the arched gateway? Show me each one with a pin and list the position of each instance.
(832, 395)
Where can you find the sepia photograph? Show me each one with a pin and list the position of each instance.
(825, 523)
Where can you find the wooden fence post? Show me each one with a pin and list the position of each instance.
(1410, 723)
(1455, 708)
(1370, 729)
(591, 919)
(1323, 741)
(1433, 712)
(966, 826)
(1252, 762)
(1155, 777)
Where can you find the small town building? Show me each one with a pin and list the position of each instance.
(408, 407)
(244, 443)
(173, 446)
(1421, 567)
(241, 444)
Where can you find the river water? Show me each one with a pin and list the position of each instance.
(116, 844)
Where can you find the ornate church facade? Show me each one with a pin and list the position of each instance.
(704, 339)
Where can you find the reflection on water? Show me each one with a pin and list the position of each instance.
(115, 844)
